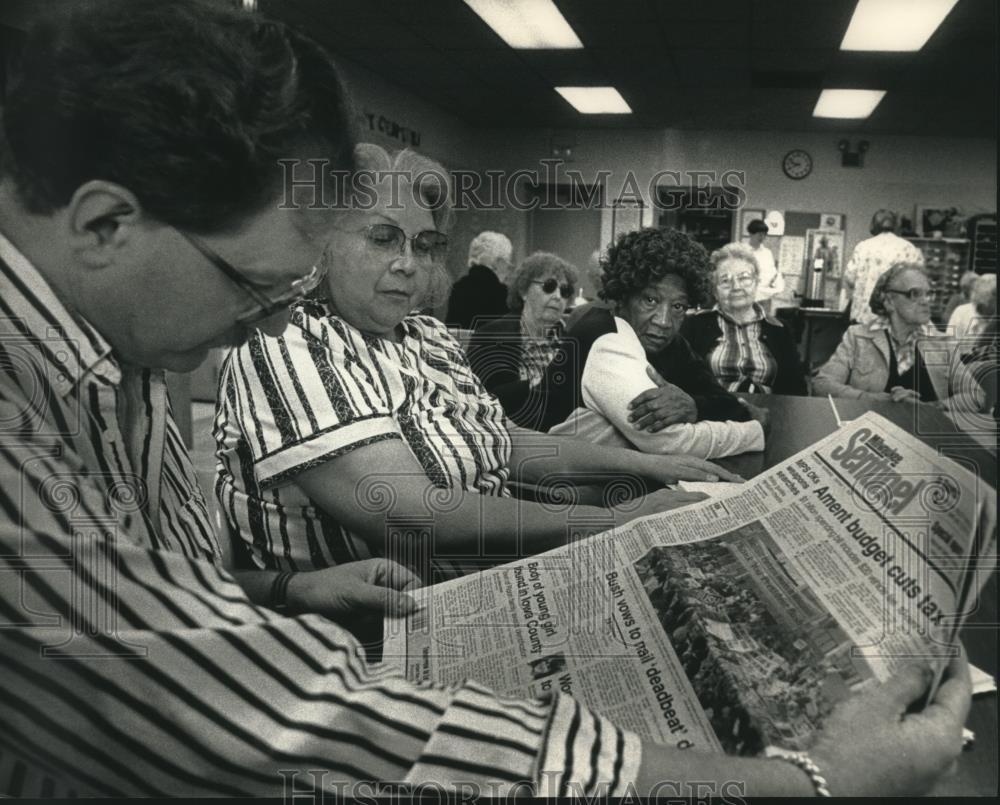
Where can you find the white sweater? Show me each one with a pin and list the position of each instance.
(614, 375)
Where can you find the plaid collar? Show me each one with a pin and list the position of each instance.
(551, 334)
(758, 315)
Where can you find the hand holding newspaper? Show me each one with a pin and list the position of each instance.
(737, 623)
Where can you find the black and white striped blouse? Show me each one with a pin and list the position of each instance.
(323, 389)
(133, 665)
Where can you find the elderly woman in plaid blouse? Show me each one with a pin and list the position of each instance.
(746, 348)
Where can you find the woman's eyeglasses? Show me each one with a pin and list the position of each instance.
(913, 294)
(428, 245)
(549, 286)
(265, 306)
(742, 279)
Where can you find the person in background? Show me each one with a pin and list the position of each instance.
(961, 296)
(970, 319)
(637, 381)
(360, 395)
(770, 283)
(899, 355)
(587, 292)
(482, 292)
(746, 349)
(871, 259)
(510, 354)
(982, 359)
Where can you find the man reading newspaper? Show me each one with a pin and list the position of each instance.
(140, 165)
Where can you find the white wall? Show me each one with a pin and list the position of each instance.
(442, 136)
(899, 172)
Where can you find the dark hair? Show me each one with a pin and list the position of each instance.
(883, 221)
(642, 258)
(877, 300)
(757, 225)
(531, 268)
(186, 103)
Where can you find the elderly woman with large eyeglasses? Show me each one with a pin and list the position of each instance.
(900, 356)
(362, 431)
(510, 354)
(746, 348)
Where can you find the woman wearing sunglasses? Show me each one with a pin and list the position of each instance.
(510, 354)
(900, 356)
(362, 431)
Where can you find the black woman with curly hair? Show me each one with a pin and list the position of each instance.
(627, 377)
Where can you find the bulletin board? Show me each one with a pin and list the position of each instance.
(790, 248)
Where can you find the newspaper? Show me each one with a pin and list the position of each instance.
(737, 623)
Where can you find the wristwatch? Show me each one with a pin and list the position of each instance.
(279, 592)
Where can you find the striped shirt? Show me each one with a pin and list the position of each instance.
(741, 361)
(115, 418)
(133, 665)
(324, 389)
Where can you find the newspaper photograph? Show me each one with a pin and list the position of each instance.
(737, 623)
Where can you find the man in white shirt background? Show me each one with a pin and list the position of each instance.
(771, 282)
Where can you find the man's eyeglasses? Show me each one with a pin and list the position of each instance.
(913, 294)
(728, 282)
(549, 286)
(265, 306)
(429, 245)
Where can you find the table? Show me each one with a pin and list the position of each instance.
(817, 331)
(796, 423)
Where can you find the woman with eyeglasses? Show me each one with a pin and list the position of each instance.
(900, 356)
(362, 431)
(510, 354)
(747, 349)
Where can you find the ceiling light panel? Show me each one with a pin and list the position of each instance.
(595, 100)
(527, 24)
(894, 25)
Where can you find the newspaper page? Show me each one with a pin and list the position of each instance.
(737, 623)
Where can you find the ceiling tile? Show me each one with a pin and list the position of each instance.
(689, 63)
(670, 11)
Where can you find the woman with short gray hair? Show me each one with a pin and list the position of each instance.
(747, 349)
(888, 360)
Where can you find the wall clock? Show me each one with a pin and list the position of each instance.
(797, 164)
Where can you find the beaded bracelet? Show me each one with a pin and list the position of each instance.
(804, 762)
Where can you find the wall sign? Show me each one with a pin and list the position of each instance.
(775, 220)
(392, 129)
